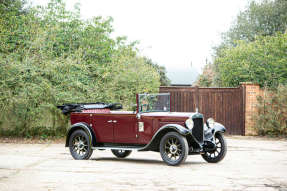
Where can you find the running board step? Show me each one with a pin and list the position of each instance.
(134, 148)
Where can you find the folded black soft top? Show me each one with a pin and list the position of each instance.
(79, 107)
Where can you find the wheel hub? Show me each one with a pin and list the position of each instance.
(80, 145)
(173, 149)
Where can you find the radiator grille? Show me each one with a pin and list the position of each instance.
(197, 130)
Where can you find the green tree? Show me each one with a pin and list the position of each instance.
(259, 21)
(263, 61)
(206, 78)
(262, 18)
(164, 80)
(50, 56)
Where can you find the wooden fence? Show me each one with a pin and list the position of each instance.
(225, 105)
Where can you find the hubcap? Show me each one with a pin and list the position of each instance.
(173, 149)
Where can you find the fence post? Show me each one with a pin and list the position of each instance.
(243, 91)
(196, 94)
(251, 91)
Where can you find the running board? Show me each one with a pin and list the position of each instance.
(126, 148)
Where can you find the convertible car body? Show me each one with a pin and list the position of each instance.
(151, 127)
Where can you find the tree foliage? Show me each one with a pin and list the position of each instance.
(263, 18)
(263, 61)
(164, 80)
(206, 79)
(50, 56)
(254, 48)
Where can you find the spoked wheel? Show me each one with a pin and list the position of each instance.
(80, 146)
(173, 148)
(121, 153)
(219, 153)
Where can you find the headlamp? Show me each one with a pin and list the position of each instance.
(189, 123)
(210, 122)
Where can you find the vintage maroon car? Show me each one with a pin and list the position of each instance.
(151, 127)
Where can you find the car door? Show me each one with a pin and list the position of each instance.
(146, 129)
(103, 127)
(125, 128)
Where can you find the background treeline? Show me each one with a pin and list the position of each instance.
(50, 56)
(254, 49)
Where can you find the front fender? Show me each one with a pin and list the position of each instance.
(83, 126)
(179, 128)
(154, 142)
(218, 127)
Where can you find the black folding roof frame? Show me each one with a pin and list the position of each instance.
(79, 107)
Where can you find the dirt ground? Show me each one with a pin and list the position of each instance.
(250, 164)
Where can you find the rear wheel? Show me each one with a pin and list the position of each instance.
(79, 144)
(121, 153)
(219, 153)
(173, 148)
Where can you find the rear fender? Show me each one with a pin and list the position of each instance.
(82, 126)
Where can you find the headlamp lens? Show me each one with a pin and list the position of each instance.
(211, 122)
(189, 123)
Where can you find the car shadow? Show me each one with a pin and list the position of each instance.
(143, 161)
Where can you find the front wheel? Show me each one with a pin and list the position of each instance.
(121, 153)
(173, 148)
(219, 153)
(80, 146)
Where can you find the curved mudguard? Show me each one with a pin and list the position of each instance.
(83, 126)
(161, 131)
(210, 132)
(180, 129)
(218, 128)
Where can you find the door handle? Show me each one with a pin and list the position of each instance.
(110, 121)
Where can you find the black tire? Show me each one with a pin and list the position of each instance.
(219, 153)
(173, 145)
(121, 153)
(80, 146)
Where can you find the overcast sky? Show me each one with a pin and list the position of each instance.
(173, 33)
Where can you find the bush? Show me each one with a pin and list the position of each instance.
(262, 61)
(50, 56)
(272, 118)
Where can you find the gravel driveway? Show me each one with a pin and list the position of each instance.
(250, 164)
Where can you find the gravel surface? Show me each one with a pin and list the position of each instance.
(250, 164)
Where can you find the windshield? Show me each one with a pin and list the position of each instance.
(154, 102)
